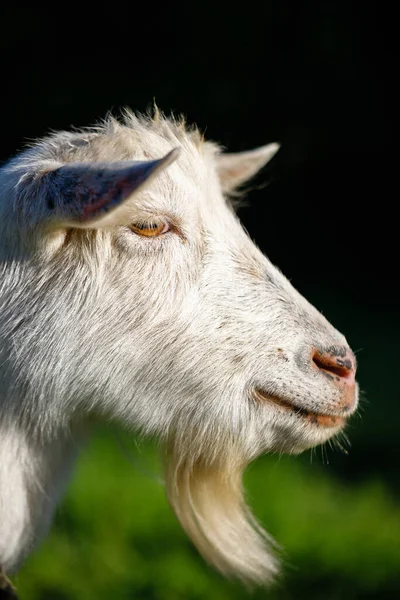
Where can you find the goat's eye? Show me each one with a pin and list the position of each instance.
(149, 229)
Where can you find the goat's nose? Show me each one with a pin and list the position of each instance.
(338, 363)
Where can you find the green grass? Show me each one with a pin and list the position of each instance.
(115, 536)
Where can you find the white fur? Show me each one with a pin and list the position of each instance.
(168, 335)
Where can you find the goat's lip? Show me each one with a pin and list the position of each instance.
(321, 419)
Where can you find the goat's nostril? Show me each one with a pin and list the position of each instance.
(339, 366)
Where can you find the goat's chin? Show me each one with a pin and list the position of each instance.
(292, 438)
(299, 444)
(291, 433)
(207, 497)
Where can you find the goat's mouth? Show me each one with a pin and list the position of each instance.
(319, 419)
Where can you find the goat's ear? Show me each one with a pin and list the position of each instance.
(92, 195)
(236, 168)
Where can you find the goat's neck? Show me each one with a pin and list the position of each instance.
(32, 477)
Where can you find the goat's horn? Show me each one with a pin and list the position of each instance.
(81, 194)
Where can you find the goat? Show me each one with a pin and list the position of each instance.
(129, 290)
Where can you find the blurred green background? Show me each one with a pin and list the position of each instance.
(318, 77)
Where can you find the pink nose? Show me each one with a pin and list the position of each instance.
(338, 363)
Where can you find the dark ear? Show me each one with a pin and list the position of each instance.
(236, 168)
(94, 194)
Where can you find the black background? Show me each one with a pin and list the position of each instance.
(316, 76)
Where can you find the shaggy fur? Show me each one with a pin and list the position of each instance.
(172, 335)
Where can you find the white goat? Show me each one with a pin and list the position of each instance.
(130, 290)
